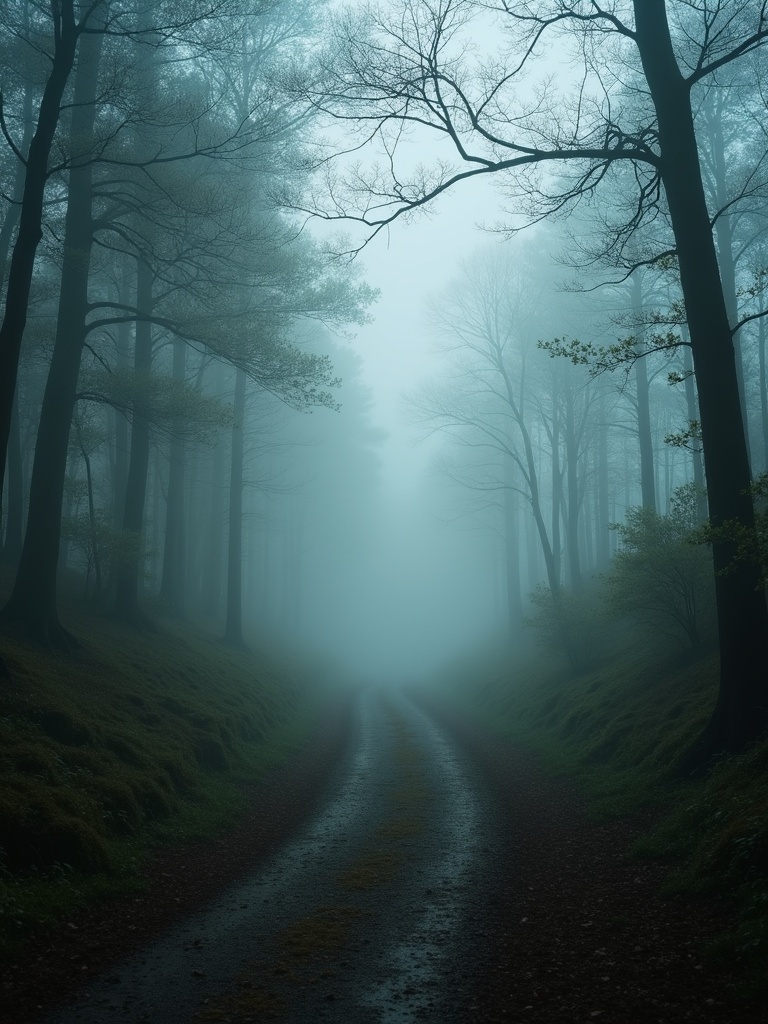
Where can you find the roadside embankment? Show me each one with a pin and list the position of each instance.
(613, 737)
(138, 775)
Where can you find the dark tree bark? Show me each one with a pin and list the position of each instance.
(14, 526)
(30, 232)
(14, 523)
(130, 571)
(233, 630)
(693, 415)
(33, 599)
(173, 582)
(741, 712)
(718, 164)
(761, 339)
(96, 557)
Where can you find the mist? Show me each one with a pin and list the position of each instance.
(335, 377)
(383, 510)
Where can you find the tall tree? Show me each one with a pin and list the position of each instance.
(33, 598)
(388, 73)
(65, 31)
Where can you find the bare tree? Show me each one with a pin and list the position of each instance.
(415, 71)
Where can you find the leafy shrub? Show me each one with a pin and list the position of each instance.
(571, 623)
(663, 577)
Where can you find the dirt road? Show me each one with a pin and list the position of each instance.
(442, 877)
(362, 918)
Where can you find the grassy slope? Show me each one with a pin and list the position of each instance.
(137, 738)
(619, 731)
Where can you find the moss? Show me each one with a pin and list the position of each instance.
(121, 810)
(619, 733)
(124, 750)
(63, 728)
(211, 754)
(38, 833)
(109, 750)
(156, 802)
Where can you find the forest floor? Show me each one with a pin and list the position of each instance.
(439, 875)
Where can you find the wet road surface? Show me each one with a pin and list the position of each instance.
(371, 914)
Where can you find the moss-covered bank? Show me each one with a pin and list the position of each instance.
(132, 740)
(619, 731)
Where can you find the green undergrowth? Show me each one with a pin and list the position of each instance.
(619, 732)
(134, 739)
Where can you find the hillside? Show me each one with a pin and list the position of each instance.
(132, 741)
(618, 731)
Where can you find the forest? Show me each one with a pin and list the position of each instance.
(353, 347)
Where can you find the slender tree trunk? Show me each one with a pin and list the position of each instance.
(644, 433)
(213, 563)
(33, 600)
(512, 554)
(587, 538)
(172, 584)
(741, 713)
(128, 575)
(14, 523)
(603, 540)
(761, 338)
(121, 422)
(570, 432)
(31, 217)
(724, 235)
(693, 416)
(233, 630)
(14, 526)
(557, 480)
(96, 557)
(517, 408)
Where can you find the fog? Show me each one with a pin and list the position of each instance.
(291, 372)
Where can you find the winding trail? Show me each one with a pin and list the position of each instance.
(363, 917)
(440, 876)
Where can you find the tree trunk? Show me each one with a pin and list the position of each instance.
(31, 217)
(761, 339)
(571, 436)
(603, 538)
(557, 481)
(233, 630)
(741, 712)
(95, 556)
(14, 523)
(642, 392)
(129, 572)
(120, 480)
(512, 555)
(693, 415)
(724, 235)
(213, 562)
(33, 599)
(172, 584)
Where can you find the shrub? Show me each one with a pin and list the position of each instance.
(571, 624)
(663, 578)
